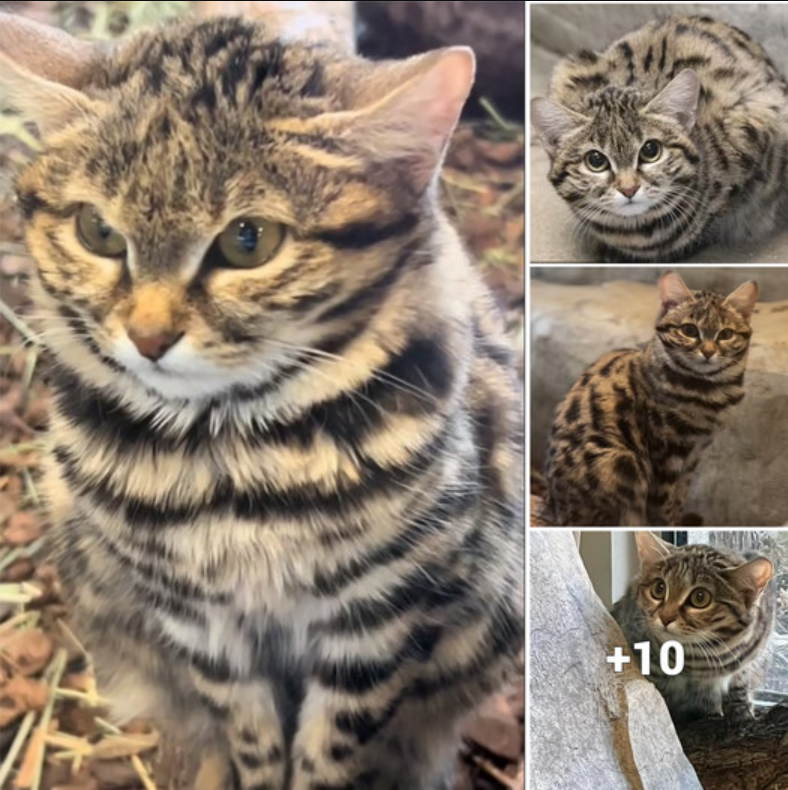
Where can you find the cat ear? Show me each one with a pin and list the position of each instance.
(41, 70)
(651, 549)
(551, 122)
(678, 99)
(744, 298)
(672, 291)
(407, 110)
(751, 578)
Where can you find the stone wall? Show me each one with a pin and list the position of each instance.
(590, 727)
(772, 280)
(741, 480)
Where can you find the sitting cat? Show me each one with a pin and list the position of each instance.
(673, 137)
(717, 604)
(285, 480)
(630, 432)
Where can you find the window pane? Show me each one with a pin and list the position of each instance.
(773, 545)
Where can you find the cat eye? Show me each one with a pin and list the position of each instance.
(97, 236)
(725, 334)
(658, 590)
(690, 330)
(597, 162)
(700, 598)
(651, 151)
(248, 242)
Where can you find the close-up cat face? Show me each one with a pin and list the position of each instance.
(703, 329)
(201, 221)
(695, 593)
(629, 155)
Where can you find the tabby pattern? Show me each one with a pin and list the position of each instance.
(718, 606)
(286, 467)
(631, 430)
(673, 137)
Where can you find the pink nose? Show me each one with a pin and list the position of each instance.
(154, 346)
(629, 191)
(667, 618)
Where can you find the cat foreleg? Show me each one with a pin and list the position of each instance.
(255, 752)
(736, 705)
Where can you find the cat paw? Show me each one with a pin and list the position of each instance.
(739, 714)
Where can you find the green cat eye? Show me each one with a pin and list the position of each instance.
(690, 330)
(700, 598)
(97, 236)
(651, 151)
(658, 590)
(725, 334)
(597, 162)
(248, 242)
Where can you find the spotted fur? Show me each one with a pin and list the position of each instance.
(631, 430)
(724, 639)
(718, 107)
(296, 538)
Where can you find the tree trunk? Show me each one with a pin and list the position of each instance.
(747, 757)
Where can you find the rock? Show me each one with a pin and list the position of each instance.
(590, 727)
(772, 281)
(740, 480)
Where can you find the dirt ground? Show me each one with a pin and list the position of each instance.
(52, 733)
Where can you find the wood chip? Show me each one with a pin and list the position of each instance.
(30, 761)
(90, 783)
(115, 774)
(8, 504)
(32, 694)
(28, 652)
(11, 709)
(23, 528)
(19, 571)
(114, 746)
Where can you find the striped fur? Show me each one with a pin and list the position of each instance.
(630, 432)
(719, 108)
(724, 641)
(296, 539)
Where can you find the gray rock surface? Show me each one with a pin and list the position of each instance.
(591, 729)
(741, 479)
(772, 280)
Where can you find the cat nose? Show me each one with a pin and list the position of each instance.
(707, 349)
(629, 191)
(667, 618)
(155, 345)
